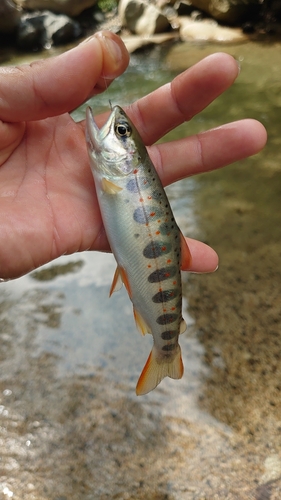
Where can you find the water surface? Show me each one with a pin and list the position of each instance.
(71, 426)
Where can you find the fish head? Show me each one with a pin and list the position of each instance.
(116, 149)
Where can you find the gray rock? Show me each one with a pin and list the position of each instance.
(208, 30)
(142, 17)
(228, 11)
(71, 8)
(184, 7)
(9, 16)
(39, 30)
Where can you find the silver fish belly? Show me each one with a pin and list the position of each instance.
(144, 238)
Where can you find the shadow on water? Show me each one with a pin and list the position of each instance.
(71, 426)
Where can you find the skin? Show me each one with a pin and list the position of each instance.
(48, 205)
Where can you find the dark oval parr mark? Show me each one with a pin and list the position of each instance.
(156, 248)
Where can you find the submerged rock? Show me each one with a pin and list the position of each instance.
(9, 16)
(142, 18)
(208, 30)
(42, 29)
(228, 11)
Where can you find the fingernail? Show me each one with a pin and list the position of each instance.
(87, 39)
(111, 46)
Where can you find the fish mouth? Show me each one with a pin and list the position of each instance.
(95, 136)
(92, 132)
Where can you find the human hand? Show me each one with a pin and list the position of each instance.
(48, 205)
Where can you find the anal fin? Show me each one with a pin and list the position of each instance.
(140, 323)
(154, 372)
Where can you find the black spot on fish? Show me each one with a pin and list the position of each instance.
(165, 319)
(162, 274)
(157, 195)
(164, 296)
(169, 334)
(136, 235)
(166, 228)
(168, 347)
(156, 248)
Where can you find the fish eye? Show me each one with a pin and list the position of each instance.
(123, 129)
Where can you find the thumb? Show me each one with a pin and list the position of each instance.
(59, 84)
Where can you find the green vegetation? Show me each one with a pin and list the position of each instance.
(107, 5)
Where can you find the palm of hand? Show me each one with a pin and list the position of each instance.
(47, 197)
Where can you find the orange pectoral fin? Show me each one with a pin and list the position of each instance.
(119, 278)
(185, 254)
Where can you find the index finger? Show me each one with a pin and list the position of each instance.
(184, 97)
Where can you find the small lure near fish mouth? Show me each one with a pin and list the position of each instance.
(146, 242)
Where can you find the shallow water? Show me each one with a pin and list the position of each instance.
(71, 426)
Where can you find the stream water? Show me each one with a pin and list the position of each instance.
(71, 427)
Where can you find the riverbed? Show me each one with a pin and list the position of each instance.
(71, 426)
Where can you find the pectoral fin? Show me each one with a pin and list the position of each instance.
(116, 282)
(185, 254)
(109, 187)
(154, 372)
(119, 278)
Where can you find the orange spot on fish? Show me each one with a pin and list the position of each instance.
(149, 265)
(174, 282)
(152, 214)
(141, 200)
(157, 232)
(169, 261)
(164, 248)
(173, 309)
(149, 197)
(135, 171)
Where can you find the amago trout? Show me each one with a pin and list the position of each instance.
(144, 237)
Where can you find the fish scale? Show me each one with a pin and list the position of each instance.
(144, 238)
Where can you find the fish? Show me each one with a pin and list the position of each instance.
(144, 237)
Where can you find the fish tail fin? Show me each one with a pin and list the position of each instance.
(153, 371)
